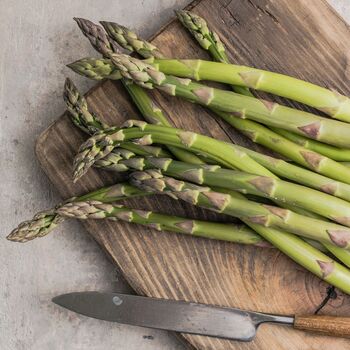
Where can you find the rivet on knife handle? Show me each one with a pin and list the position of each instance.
(327, 325)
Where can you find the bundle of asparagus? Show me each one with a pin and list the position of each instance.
(308, 204)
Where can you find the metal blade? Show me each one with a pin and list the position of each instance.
(167, 314)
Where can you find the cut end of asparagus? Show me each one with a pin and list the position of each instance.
(42, 224)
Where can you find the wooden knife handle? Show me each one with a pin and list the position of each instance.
(327, 325)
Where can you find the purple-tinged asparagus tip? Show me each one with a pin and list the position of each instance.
(97, 36)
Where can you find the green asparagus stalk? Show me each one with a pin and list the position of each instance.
(150, 111)
(206, 38)
(252, 212)
(45, 221)
(330, 102)
(338, 154)
(302, 176)
(226, 232)
(100, 204)
(100, 145)
(214, 230)
(42, 223)
(321, 203)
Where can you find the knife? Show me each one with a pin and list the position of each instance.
(193, 318)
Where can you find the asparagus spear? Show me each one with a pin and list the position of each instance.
(100, 145)
(237, 206)
(214, 230)
(150, 111)
(79, 112)
(338, 154)
(302, 176)
(208, 40)
(268, 187)
(330, 102)
(44, 222)
(93, 209)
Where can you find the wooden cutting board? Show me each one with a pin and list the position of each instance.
(303, 38)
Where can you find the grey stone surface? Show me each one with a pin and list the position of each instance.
(37, 38)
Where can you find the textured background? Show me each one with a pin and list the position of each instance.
(37, 39)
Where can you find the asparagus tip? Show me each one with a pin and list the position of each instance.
(41, 224)
(96, 35)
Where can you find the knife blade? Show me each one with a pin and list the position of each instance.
(192, 318)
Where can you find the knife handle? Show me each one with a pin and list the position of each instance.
(326, 325)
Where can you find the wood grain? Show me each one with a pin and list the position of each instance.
(302, 38)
